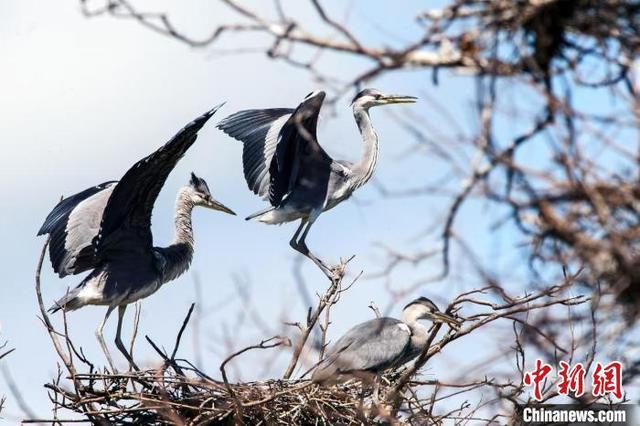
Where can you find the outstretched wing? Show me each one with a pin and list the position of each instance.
(297, 149)
(72, 225)
(258, 130)
(126, 223)
(374, 345)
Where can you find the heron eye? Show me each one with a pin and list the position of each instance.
(378, 96)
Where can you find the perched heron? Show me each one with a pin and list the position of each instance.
(381, 344)
(284, 162)
(107, 229)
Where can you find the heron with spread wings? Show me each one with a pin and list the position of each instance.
(106, 229)
(284, 162)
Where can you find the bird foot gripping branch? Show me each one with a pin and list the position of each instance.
(335, 273)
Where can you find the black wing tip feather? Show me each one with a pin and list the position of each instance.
(132, 200)
(52, 220)
(226, 123)
(200, 121)
(213, 110)
(250, 119)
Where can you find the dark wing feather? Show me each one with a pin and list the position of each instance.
(72, 225)
(258, 130)
(126, 224)
(297, 148)
(374, 345)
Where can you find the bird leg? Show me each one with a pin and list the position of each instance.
(293, 242)
(301, 247)
(100, 338)
(119, 344)
(328, 271)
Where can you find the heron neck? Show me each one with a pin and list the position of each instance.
(419, 333)
(174, 260)
(367, 164)
(183, 230)
(411, 316)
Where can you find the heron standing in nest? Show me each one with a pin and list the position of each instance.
(107, 229)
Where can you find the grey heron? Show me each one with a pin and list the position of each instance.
(107, 229)
(381, 344)
(284, 162)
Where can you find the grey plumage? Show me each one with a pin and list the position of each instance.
(380, 344)
(252, 127)
(366, 346)
(283, 161)
(70, 248)
(107, 228)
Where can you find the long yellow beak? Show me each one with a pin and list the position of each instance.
(442, 317)
(217, 205)
(399, 99)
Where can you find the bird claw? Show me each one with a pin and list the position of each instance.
(337, 271)
(334, 273)
(329, 271)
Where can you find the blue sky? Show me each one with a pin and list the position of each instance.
(84, 99)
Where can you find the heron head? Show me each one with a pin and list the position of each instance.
(424, 308)
(368, 98)
(201, 196)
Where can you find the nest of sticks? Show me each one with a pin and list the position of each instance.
(169, 396)
(179, 393)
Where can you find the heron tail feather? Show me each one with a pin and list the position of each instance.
(70, 302)
(260, 213)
